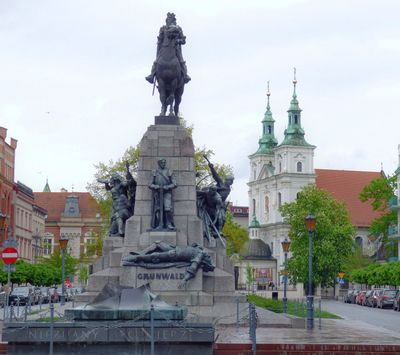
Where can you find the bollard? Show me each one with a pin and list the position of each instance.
(40, 304)
(320, 311)
(73, 302)
(11, 311)
(254, 328)
(152, 329)
(237, 314)
(302, 308)
(26, 312)
(51, 329)
(18, 307)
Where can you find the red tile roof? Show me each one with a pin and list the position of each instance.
(345, 186)
(54, 203)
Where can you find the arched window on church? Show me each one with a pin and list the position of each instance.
(296, 120)
(269, 129)
(279, 200)
(299, 167)
(280, 166)
(254, 206)
(359, 242)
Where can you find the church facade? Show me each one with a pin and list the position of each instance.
(279, 171)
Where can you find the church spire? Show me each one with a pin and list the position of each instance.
(46, 187)
(267, 141)
(294, 134)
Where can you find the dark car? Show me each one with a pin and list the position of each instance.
(386, 298)
(20, 295)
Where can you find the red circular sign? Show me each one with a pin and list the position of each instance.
(9, 255)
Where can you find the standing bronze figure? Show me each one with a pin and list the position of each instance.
(123, 200)
(162, 183)
(169, 68)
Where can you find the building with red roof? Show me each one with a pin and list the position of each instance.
(72, 214)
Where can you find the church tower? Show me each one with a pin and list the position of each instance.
(278, 173)
(261, 167)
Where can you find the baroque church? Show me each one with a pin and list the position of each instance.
(278, 172)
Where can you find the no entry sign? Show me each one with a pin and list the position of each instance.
(9, 255)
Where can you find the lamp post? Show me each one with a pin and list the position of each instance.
(310, 224)
(63, 246)
(285, 247)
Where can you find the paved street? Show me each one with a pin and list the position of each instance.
(385, 318)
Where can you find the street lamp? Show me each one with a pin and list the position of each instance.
(63, 246)
(285, 247)
(310, 224)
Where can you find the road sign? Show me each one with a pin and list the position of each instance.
(341, 281)
(9, 255)
(341, 275)
(9, 268)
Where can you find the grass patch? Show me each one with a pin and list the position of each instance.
(47, 319)
(294, 308)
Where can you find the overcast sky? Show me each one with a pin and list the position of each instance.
(73, 93)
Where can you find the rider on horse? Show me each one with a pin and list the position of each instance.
(180, 40)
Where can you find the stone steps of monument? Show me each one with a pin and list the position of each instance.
(86, 297)
(218, 281)
(99, 279)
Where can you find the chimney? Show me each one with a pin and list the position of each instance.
(3, 133)
(13, 143)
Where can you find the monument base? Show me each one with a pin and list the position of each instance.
(116, 337)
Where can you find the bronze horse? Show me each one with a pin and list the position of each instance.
(169, 74)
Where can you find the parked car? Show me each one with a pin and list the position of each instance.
(373, 299)
(54, 295)
(360, 297)
(347, 296)
(386, 298)
(354, 296)
(20, 295)
(44, 295)
(3, 298)
(368, 298)
(396, 302)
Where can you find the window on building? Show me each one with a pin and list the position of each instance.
(254, 206)
(254, 174)
(280, 167)
(272, 248)
(359, 242)
(269, 129)
(90, 246)
(299, 167)
(296, 120)
(279, 200)
(48, 244)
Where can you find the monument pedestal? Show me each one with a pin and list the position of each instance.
(206, 290)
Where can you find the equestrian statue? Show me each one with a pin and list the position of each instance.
(169, 69)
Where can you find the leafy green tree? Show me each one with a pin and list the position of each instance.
(378, 193)
(83, 274)
(357, 260)
(236, 236)
(332, 237)
(55, 261)
(249, 276)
